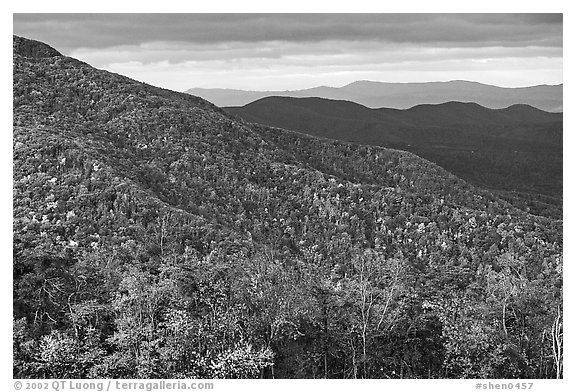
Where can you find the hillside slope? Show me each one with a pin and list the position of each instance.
(517, 150)
(157, 237)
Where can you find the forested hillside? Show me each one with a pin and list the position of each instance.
(516, 151)
(155, 236)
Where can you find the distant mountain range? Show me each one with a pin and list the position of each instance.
(404, 95)
(517, 149)
(451, 124)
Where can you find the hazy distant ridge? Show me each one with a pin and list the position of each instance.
(404, 95)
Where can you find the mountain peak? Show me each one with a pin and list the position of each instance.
(31, 48)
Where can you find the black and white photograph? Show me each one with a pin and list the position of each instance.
(287, 196)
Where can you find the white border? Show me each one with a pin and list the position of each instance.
(304, 6)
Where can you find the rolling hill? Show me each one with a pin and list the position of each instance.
(516, 150)
(404, 95)
(156, 236)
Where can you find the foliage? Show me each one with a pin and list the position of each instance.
(155, 236)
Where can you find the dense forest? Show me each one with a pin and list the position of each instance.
(156, 236)
(516, 151)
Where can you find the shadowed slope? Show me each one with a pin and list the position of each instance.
(516, 149)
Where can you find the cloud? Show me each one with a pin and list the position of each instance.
(295, 75)
(301, 69)
(287, 51)
(309, 54)
(71, 31)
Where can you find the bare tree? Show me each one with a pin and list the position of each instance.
(557, 343)
(377, 281)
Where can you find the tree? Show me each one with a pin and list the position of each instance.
(374, 285)
(557, 337)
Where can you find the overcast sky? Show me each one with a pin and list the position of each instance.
(293, 51)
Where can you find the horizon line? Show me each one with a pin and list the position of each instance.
(377, 81)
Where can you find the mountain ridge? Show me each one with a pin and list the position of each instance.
(456, 112)
(31, 48)
(515, 149)
(404, 95)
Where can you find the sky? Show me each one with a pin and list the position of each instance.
(295, 51)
